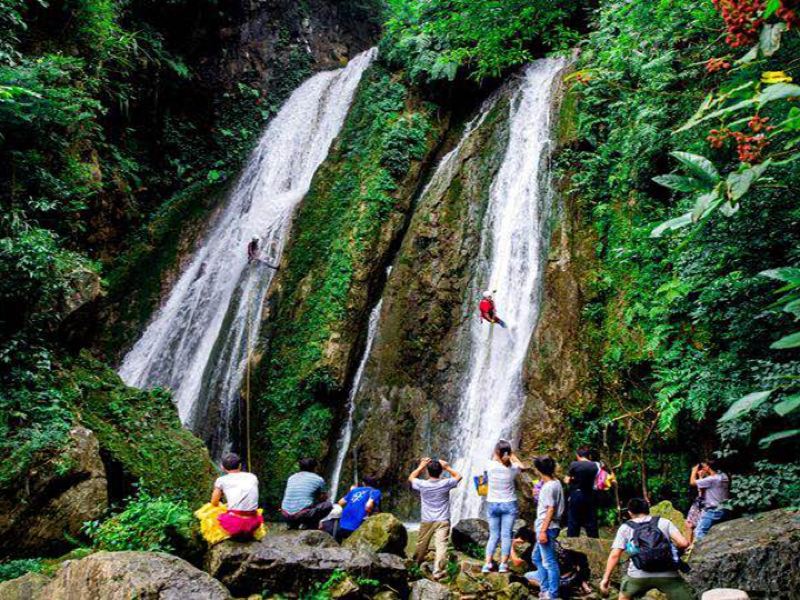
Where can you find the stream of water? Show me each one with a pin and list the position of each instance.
(199, 341)
(514, 244)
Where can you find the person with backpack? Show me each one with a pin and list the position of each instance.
(582, 505)
(650, 543)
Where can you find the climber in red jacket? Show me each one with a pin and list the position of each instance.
(487, 309)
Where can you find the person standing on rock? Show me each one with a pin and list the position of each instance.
(649, 542)
(549, 509)
(501, 503)
(305, 501)
(582, 506)
(715, 487)
(434, 494)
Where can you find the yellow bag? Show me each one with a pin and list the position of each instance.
(212, 531)
(482, 484)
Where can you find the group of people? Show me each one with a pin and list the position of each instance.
(654, 544)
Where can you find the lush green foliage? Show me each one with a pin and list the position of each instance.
(335, 236)
(433, 39)
(325, 590)
(148, 523)
(17, 568)
(680, 326)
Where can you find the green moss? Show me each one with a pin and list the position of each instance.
(140, 431)
(364, 185)
(135, 282)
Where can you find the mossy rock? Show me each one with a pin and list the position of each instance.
(26, 587)
(380, 533)
(667, 511)
(139, 431)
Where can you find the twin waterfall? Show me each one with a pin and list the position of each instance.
(199, 342)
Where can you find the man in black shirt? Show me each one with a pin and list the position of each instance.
(581, 507)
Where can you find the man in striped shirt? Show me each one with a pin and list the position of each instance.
(305, 501)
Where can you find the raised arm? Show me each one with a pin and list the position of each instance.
(693, 476)
(517, 462)
(453, 473)
(418, 471)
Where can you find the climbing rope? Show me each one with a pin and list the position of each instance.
(247, 392)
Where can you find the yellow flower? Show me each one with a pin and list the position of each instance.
(770, 77)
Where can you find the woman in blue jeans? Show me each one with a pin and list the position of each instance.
(501, 499)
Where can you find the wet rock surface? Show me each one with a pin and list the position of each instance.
(760, 555)
(57, 495)
(290, 562)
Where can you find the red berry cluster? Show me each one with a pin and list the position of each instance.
(749, 145)
(789, 11)
(717, 64)
(743, 20)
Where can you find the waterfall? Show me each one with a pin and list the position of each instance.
(514, 243)
(441, 179)
(199, 341)
(343, 444)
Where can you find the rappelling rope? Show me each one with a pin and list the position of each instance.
(247, 392)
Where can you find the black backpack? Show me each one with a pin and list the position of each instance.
(655, 549)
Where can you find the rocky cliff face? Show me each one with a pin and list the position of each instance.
(409, 391)
(333, 268)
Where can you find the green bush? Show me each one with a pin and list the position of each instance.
(17, 568)
(147, 523)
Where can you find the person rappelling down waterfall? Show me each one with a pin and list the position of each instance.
(487, 309)
(253, 253)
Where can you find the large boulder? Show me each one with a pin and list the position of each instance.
(58, 495)
(468, 534)
(294, 561)
(471, 535)
(380, 533)
(425, 589)
(26, 587)
(596, 551)
(126, 575)
(760, 555)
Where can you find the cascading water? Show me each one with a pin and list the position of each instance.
(514, 244)
(199, 342)
(441, 179)
(347, 433)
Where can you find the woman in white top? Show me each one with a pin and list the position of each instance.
(501, 508)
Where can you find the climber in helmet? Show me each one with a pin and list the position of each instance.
(252, 250)
(487, 309)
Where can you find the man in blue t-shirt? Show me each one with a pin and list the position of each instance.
(357, 505)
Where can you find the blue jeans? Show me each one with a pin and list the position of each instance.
(708, 518)
(501, 523)
(544, 557)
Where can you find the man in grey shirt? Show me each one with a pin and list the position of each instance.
(549, 509)
(715, 486)
(434, 495)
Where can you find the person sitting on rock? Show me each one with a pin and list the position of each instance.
(305, 500)
(715, 486)
(434, 494)
(650, 542)
(357, 505)
(240, 518)
(487, 309)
